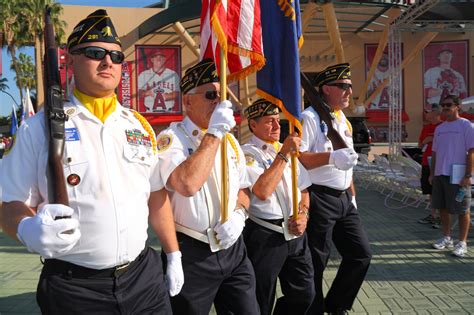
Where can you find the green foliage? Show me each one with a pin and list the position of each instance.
(26, 77)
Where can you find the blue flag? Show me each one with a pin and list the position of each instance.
(279, 80)
(14, 125)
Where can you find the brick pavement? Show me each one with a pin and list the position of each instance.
(406, 276)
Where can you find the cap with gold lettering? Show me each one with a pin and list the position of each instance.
(202, 73)
(260, 108)
(96, 27)
(332, 73)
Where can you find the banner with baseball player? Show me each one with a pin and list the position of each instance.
(445, 72)
(158, 76)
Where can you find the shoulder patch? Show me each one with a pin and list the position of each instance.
(163, 142)
(249, 159)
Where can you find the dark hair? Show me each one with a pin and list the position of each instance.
(456, 100)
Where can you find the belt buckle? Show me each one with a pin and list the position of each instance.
(121, 269)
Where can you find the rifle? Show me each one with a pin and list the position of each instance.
(54, 117)
(323, 111)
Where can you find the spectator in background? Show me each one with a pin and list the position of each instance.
(425, 143)
(453, 143)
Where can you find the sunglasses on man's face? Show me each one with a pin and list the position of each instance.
(342, 86)
(210, 95)
(99, 53)
(447, 104)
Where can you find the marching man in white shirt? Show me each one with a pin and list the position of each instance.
(96, 258)
(216, 267)
(333, 215)
(276, 242)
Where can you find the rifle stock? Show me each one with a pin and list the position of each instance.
(54, 117)
(323, 111)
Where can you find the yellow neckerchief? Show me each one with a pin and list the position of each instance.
(100, 107)
(275, 144)
(337, 114)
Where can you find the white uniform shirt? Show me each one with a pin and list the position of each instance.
(117, 169)
(314, 140)
(176, 144)
(165, 82)
(259, 156)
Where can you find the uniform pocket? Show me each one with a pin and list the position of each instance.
(138, 154)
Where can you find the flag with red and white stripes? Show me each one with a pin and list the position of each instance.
(233, 26)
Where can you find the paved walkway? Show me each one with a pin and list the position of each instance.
(406, 276)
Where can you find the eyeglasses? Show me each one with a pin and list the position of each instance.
(210, 95)
(447, 104)
(99, 53)
(342, 86)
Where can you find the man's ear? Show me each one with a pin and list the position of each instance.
(325, 90)
(253, 124)
(185, 100)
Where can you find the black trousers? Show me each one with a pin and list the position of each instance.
(273, 257)
(335, 219)
(139, 290)
(225, 278)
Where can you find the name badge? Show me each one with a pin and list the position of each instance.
(71, 134)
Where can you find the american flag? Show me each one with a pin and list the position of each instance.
(233, 26)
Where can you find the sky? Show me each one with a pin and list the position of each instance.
(6, 101)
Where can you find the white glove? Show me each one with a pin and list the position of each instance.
(222, 120)
(354, 201)
(343, 159)
(46, 236)
(174, 273)
(228, 232)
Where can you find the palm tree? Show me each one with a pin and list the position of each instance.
(25, 78)
(4, 87)
(11, 22)
(35, 10)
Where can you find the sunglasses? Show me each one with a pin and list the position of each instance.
(99, 53)
(210, 95)
(342, 86)
(447, 104)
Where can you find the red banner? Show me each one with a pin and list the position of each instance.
(124, 90)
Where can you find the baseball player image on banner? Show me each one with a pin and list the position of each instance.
(158, 69)
(445, 71)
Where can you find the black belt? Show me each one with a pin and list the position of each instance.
(76, 271)
(328, 190)
(278, 222)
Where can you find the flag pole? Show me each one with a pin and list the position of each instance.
(294, 178)
(224, 187)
